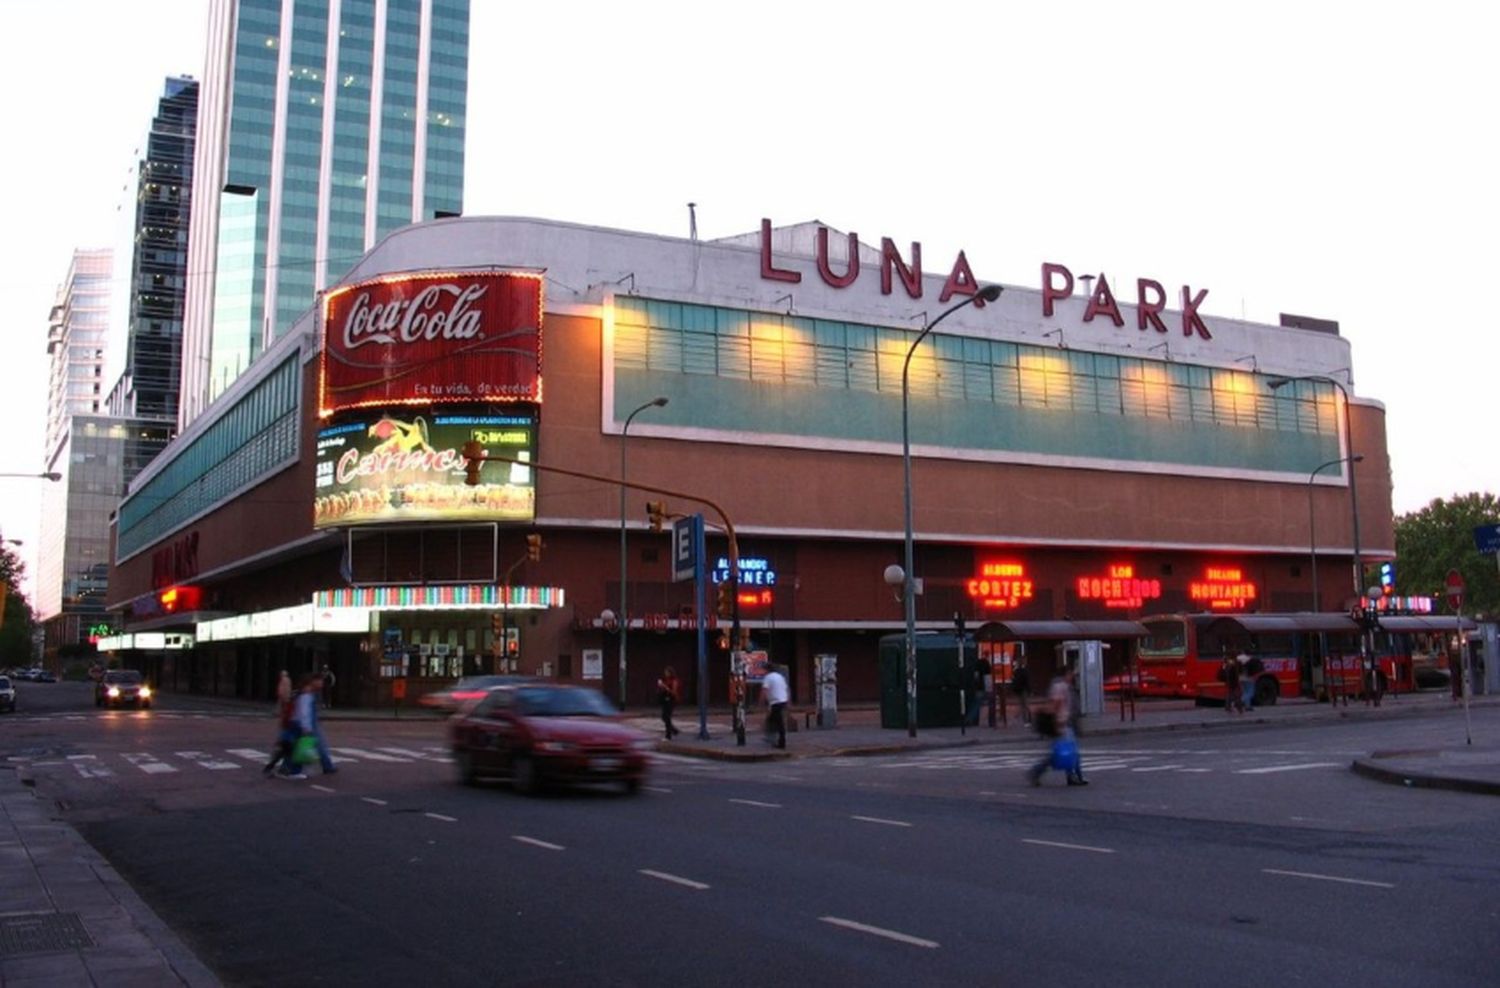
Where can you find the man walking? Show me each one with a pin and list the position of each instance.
(776, 692)
(307, 719)
(1061, 706)
(328, 680)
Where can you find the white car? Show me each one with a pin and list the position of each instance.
(7, 695)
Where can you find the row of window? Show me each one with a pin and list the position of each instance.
(790, 350)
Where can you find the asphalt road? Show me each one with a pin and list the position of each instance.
(1225, 857)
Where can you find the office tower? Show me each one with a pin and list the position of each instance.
(77, 334)
(323, 125)
(158, 274)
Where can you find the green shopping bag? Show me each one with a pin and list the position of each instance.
(306, 750)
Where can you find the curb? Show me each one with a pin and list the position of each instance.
(1421, 780)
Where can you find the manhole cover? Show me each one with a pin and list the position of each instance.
(40, 933)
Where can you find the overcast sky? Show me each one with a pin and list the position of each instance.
(1333, 160)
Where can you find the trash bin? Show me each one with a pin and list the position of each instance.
(940, 679)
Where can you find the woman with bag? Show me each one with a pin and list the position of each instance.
(286, 736)
(1055, 720)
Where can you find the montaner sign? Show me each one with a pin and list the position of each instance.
(432, 339)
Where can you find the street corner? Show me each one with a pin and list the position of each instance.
(731, 753)
(1476, 772)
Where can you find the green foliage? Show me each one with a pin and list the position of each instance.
(16, 623)
(1440, 537)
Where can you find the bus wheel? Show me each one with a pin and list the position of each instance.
(1266, 691)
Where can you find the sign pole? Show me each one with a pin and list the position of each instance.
(1455, 584)
(699, 594)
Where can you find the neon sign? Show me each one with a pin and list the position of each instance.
(1001, 584)
(757, 598)
(1119, 587)
(1223, 588)
(754, 572)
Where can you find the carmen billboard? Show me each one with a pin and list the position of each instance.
(387, 467)
(432, 338)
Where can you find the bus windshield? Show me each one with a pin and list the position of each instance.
(1167, 639)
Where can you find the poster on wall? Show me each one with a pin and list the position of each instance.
(593, 663)
(403, 465)
(440, 337)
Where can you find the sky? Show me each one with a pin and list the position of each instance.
(1326, 159)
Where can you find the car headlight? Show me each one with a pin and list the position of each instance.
(145, 691)
(556, 746)
(113, 691)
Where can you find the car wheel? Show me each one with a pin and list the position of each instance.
(98, 702)
(523, 776)
(464, 763)
(632, 786)
(1266, 691)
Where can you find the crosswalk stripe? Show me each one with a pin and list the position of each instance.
(88, 766)
(206, 760)
(250, 754)
(373, 756)
(148, 763)
(407, 752)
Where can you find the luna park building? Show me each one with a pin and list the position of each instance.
(1081, 450)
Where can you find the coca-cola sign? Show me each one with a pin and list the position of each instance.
(432, 338)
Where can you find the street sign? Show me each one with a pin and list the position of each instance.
(1487, 539)
(685, 547)
(1455, 584)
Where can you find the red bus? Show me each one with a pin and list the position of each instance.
(1303, 654)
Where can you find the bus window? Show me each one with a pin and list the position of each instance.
(1166, 638)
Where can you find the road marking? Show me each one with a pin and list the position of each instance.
(674, 879)
(372, 800)
(204, 760)
(1328, 878)
(1288, 768)
(321, 788)
(439, 816)
(655, 789)
(899, 937)
(1070, 847)
(250, 754)
(876, 819)
(374, 756)
(148, 763)
(88, 766)
(1198, 770)
(536, 843)
(756, 802)
(1149, 768)
(406, 752)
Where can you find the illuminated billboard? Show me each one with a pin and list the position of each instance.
(432, 338)
(399, 465)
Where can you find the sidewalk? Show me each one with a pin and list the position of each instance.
(1475, 769)
(66, 917)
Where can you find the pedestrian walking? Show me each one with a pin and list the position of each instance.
(776, 693)
(284, 690)
(1057, 719)
(1229, 675)
(306, 716)
(668, 695)
(1250, 670)
(286, 735)
(328, 680)
(1020, 685)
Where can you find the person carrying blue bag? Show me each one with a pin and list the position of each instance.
(1055, 720)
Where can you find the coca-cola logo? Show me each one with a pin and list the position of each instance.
(439, 311)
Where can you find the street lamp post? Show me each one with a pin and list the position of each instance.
(988, 293)
(51, 475)
(1312, 528)
(657, 402)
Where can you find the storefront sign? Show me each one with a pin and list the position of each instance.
(1151, 301)
(436, 338)
(175, 562)
(1223, 588)
(892, 266)
(382, 468)
(754, 571)
(1118, 587)
(1001, 585)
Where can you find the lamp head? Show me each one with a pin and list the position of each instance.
(659, 401)
(1277, 383)
(894, 575)
(990, 292)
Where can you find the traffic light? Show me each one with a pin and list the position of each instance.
(473, 460)
(657, 512)
(497, 624)
(1387, 579)
(724, 606)
(534, 548)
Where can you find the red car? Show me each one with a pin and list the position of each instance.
(537, 733)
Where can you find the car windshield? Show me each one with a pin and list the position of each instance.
(546, 701)
(478, 682)
(123, 677)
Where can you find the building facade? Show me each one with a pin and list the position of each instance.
(1076, 453)
(323, 125)
(77, 338)
(152, 377)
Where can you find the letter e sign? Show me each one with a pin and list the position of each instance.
(684, 557)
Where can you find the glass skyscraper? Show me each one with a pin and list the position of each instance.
(323, 125)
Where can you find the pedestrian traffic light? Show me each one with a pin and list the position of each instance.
(724, 606)
(656, 511)
(1387, 578)
(534, 548)
(473, 460)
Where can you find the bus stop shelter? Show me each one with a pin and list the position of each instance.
(1080, 644)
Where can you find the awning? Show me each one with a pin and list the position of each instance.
(1422, 622)
(1262, 624)
(1000, 631)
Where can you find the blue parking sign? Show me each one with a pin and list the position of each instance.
(1487, 539)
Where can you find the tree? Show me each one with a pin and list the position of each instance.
(1440, 537)
(16, 620)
